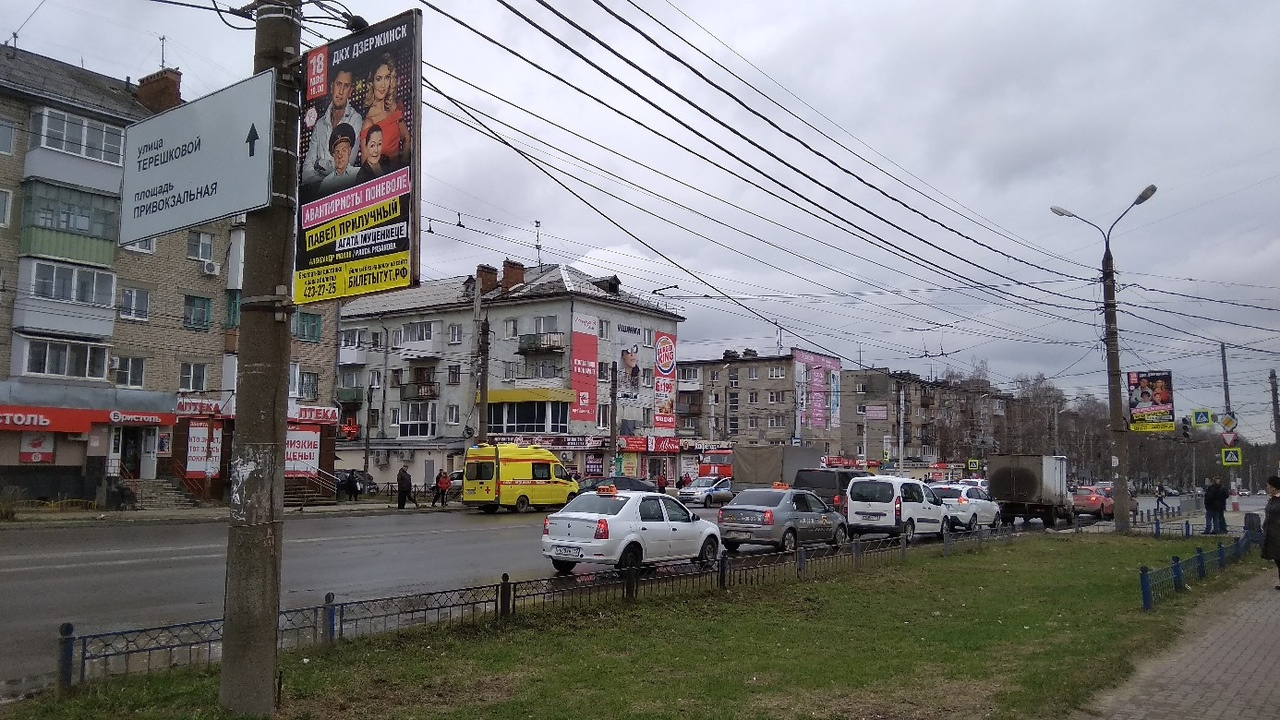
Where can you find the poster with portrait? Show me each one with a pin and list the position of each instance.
(1150, 400)
(359, 153)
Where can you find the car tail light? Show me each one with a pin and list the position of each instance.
(720, 516)
(837, 501)
(546, 525)
(768, 517)
(897, 509)
(602, 529)
(962, 500)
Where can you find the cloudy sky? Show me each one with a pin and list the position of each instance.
(872, 177)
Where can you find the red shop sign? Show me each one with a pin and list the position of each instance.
(74, 420)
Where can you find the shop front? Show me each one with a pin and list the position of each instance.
(649, 456)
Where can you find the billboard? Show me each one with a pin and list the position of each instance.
(1150, 401)
(359, 152)
(821, 402)
(664, 380)
(583, 358)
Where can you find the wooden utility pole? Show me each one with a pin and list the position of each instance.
(255, 534)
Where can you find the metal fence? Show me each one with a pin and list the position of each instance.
(87, 658)
(1158, 584)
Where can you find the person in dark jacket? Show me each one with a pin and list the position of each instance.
(1215, 508)
(404, 487)
(1271, 524)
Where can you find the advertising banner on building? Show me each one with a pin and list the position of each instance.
(359, 153)
(302, 451)
(1151, 401)
(664, 380)
(36, 447)
(204, 449)
(583, 359)
(822, 387)
(877, 412)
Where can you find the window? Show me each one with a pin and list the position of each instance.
(733, 378)
(646, 417)
(688, 373)
(78, 136)
(691, 423)
(777, 396)
(375, 378)
(350, 338)
(71, 211)
(545, 324)
(860, 387)
(603, 331)
(308, 385)
(193, 377)
(777, 421)
(675, 511)
(142, 246)
(416, 332)
(602, 372)
(195, 312)
(777, 372)
(6, 137)
(350, 379)
(648, 337)
(75, 284)
(397, 377)
(451, 415)
(646, 377)
(306, 326)
(66, 359)
(753, 423)
(510, 328)
(135, 304)
(602, 416)
(715, 376)
(733, 424)
(374, 418)
(715, 398)
(395, 418)
(418, 419)
(753, 397)
(233, 309)
(455, 334)
(733, 402)
(753, 373)
(455, 375)
(6, 203)
(375, 340)
(650, 510)
(129, 371)
(199, 245)
(529, 417)
(862, 409)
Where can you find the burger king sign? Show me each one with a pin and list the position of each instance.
(664, 380)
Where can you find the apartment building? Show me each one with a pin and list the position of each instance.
(122, 357)
(408, 372)
(748, 398)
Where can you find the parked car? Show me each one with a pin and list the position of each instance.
(618, 481)
(627, 529)
(893, 505)
(968, 506)
(782, 517)
(707, 491)
(1244, 492)
(827, 483)
(1093, 500)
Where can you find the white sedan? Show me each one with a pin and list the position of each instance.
(968, 506)
(627, 529)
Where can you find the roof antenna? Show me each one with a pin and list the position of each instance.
(460, 221)
(162, 39)
(537, 243)
(430, 231)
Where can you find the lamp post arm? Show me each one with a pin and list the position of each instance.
(1107, 234)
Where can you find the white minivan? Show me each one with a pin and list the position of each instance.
(894, 505)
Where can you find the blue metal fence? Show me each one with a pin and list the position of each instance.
(1159, 583)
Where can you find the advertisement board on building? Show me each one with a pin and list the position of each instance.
(204, 455)
(664, 380)
(1150, 401)
(877, 412)
(359, 154)
(822, 389)
(583, 358)
(302, 451)
(36, 448)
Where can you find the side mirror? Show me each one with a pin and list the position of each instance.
(695, 517)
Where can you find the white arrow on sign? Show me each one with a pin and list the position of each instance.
(1229, 438)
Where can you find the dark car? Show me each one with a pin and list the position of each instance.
(827, 483)
(619, 481)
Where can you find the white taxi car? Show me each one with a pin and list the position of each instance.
(968, 506)
(626, 529)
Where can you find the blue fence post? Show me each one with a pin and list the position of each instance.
(1178, 583)
(1235, 551)
(504, 596)
(801, 560)
(723, 568)
(1148, 598)
(1186, 529)
(857, 553)
(1157, 528)
(1201, 570)
(1222, 556)
(66, 657)
(330, 616)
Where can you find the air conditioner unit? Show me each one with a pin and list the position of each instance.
(381, 457)
(210, 268)
(405, 454)
(113, 363)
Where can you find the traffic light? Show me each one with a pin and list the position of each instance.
(1186, 428)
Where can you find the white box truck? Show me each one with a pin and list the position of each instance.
(1029, 486)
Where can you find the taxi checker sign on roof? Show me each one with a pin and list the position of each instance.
(198, 162)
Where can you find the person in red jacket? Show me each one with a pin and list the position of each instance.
(662, 483)
(441, 493)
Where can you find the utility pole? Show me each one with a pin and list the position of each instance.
(255, 537)
(1275, 408)
(902, 409)
(613, 419)
(368, 431)
(1226, 386)
(482, 407)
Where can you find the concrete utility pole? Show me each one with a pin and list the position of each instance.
(902, 410)
(1275, 409)
(613, 420)
(1226, 385)
(255, 534)
(482, 407)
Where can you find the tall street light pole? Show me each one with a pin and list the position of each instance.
(1119, 415)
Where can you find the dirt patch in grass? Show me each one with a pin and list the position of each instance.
(436, 696)
(925, 699)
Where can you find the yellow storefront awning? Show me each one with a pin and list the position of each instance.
(529, 395)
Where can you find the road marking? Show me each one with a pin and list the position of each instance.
(108, 563)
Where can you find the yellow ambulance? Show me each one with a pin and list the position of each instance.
(516, 477)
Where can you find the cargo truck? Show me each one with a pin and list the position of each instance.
(1029, 486)
(764, 465)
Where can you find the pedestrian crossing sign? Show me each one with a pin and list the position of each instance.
(974, 464)
(1232, 457)
(1201, 417)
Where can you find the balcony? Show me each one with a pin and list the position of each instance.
(420, 391)
(540, 343)
(62, 317)
(231, 341)
(532, 371)
(52, 243)
(353, 395)
(688, 409)
(352, 356)
(927, 398)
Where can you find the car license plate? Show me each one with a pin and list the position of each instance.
(471, 491)
(737, 536)
(564, 551)
(730, 518)
(870, 515)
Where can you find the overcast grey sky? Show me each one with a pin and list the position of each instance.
(976, 115)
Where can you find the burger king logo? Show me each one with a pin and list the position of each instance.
(664, 355)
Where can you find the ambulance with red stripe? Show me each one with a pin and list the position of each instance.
(515, 477)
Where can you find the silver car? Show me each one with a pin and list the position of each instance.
(707, 491)
(781, 517)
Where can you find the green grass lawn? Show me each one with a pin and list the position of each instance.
(1023, 630)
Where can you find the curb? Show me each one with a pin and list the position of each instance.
(113, 517)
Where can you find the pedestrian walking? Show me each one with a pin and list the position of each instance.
(683, 482)
(1215, 507)
(1271, 524)
(439, 487)
(404, 487)
(1160, 495)
(662, 483)
(352, 486)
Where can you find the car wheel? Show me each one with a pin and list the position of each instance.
(1050, 520)
(995, 521)
(972, 524)
(909, 532)
(1102, 512)
(488, 509)
(730, 546)
(522, 504)
(789, 541)
(631, 557)
(563, 566)
(710, 549)
(706, 501)
(840, 536)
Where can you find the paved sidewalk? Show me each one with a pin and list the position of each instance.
(1225, 671)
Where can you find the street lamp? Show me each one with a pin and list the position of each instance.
(1119, 419)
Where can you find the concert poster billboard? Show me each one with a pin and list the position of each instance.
(1150, 400)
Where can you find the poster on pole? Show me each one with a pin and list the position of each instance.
(359, 153)
(1151, 401)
